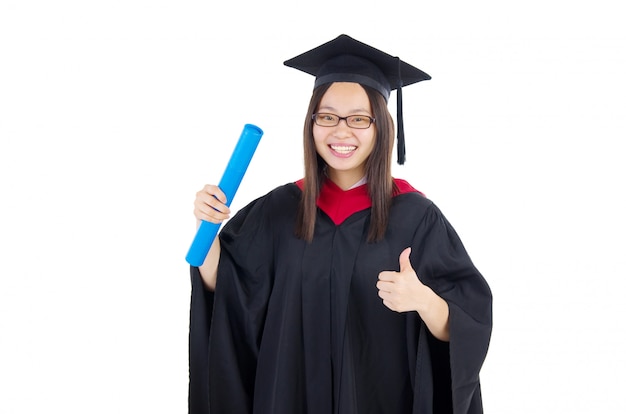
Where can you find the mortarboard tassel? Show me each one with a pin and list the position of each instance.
(401, 145)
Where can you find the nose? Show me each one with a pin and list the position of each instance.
(342, 127)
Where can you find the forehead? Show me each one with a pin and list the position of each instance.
(347, 96)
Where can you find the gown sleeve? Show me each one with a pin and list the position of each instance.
(201, 309)
(225, 325)
(442, 263)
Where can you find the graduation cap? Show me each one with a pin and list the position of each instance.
(345, 59)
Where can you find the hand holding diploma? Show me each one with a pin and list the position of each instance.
(223, 194)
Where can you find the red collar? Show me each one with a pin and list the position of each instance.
(339, 204)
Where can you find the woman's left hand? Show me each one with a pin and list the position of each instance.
(403, 291)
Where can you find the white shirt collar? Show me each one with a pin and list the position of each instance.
(359, 183)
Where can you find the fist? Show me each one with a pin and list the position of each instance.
(210, 205)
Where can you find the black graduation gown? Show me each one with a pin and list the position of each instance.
(296, 327)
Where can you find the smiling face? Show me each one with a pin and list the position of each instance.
(345, 149)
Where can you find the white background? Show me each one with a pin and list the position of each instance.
(114, 113)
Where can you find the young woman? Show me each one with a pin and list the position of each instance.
(347, 291)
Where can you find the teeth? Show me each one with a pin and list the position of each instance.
(343, 149)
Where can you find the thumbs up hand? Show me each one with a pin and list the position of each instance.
(403, 291)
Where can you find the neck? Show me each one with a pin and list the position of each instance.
(346, 180)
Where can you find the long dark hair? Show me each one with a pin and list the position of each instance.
(377, 168)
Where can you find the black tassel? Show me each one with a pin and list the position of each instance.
(401, 144)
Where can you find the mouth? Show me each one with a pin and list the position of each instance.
(343, 149)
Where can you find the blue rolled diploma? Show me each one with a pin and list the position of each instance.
(235, 170)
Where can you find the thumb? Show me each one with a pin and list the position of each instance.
(405, 263)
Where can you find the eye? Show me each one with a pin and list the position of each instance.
(360, 121)
(328, 117)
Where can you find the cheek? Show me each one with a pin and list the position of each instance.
(368, 140)
(318, 138)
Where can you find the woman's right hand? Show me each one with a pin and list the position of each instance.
(210, 205)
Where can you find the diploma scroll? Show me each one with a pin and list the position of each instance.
(235, 170)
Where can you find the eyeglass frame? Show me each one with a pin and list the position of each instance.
(344, 118)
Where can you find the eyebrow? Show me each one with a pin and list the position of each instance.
(353, 111)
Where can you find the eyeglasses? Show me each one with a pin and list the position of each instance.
(353, 121)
